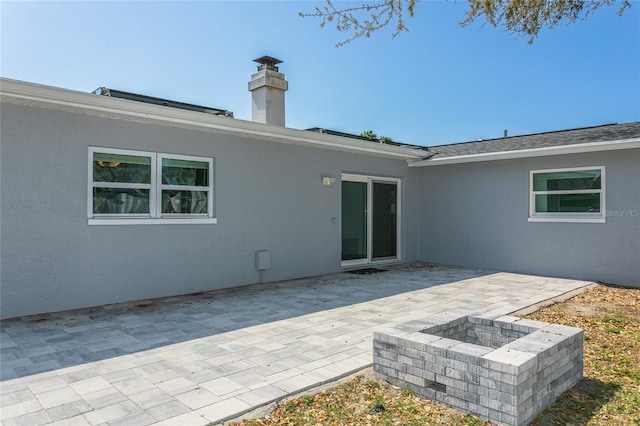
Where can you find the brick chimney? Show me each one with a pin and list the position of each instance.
(267, 88)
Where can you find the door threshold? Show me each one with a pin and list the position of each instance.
(366, 271)
(376, 265)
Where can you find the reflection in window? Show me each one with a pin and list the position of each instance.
(121, 168)
(184, 172)
(120, 201)
(184, 202)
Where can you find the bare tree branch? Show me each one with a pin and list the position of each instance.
(528, 17)
(518, 17)
(365, 19)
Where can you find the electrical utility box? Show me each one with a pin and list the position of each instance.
(263, 260)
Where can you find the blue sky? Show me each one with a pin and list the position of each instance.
(438, 83)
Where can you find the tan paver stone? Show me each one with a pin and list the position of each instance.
(70, 375)
(223, 359)
(73, 421)
(150, 398)
(70, 410)
(221, 386)
(10, 398)
(168, 410)
(201, 376)
(269, 346)
(345, 367)
(252, 339)
(46, 385)
(109, 366)
(87, 386)
(133, 385)
(12, 386)
(197, 398)
(32, 419)
(190, 419)
(176, 386)
(261, 396)
(58, 397)
(118, 376)
(296, 383)
(21, 408)
(283, 375)
(137, 419)
(104, 398)
(161, 376)
(112, 412)
(184, 354)
(224, 409)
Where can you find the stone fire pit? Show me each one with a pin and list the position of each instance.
(501, 368)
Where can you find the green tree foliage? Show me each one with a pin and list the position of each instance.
(522, 18)
(371, 135)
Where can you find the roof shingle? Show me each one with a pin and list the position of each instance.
(606, 132)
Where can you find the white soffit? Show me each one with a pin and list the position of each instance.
(15, 91)
(534, 152)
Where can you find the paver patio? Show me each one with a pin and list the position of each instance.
(203, 359)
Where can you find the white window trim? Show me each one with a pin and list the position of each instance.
(599, 217)
(155, 216)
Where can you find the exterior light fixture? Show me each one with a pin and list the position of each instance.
(326, 181)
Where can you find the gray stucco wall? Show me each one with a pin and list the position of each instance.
(476, 214)
(268, 195)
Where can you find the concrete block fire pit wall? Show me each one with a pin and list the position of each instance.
(501, 368)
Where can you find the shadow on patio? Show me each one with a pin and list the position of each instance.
(41, 343)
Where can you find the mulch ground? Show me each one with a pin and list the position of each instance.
(609, 394)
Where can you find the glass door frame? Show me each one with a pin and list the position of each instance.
(370, 180)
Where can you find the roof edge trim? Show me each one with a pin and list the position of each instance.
(533, 152)
(104, 104)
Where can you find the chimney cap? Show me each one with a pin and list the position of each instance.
(268, 60)
(268, 63)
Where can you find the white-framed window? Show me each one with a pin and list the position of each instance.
(567, 195)
(136, 187)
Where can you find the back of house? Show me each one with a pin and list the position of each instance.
(112, 196)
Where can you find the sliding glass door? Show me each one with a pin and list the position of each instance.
(354, 221)
(370, 219)
(384, 221)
